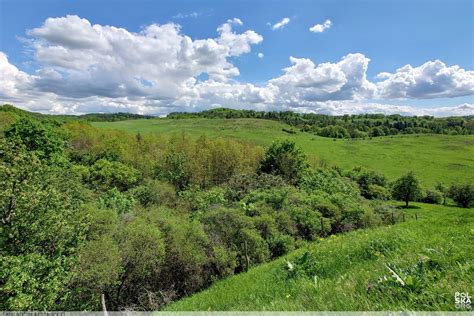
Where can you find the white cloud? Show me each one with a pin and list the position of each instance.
(100, 68)
(345, 80)
(281, 24)
(187, 15)
(433, 79)
(319, 28)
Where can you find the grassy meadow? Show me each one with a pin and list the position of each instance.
(434, 158)
(432, 255)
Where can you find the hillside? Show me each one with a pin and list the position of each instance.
(445, 158)
(433, 256)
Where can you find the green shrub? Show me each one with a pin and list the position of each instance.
(240, 185)
(116, 200)
(106, 175)
(432, 197)
(285, 159)
(280, 245)
(463, 195)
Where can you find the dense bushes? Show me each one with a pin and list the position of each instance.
(146, 220)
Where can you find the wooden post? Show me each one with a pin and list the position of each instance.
(416, 216)
(104, 308)
(393, 218)
(403, 217)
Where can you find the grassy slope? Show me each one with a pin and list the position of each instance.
(349, 265)
(434, 157)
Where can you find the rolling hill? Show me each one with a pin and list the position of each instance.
(444, 158)
(413, 265)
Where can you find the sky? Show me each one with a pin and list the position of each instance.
(155, 57)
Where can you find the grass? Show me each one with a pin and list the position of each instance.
(434, 158)
(433, 257)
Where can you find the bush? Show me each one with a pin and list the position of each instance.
(432, 197)
(116, 200)
(377, 192)
(285, 159)
(240, 185)
(106, 174)
(280, 245)
(463, 195)
(328, 181)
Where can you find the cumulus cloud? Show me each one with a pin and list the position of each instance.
(85, 67)
(433, 79)
(281, 24)
(319, 28)
(344, 80)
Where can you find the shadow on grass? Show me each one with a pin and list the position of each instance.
(409, 207)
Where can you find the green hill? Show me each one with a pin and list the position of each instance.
(445, 158)
(414, 265)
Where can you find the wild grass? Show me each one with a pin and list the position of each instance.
(445, 158)
(413, 265)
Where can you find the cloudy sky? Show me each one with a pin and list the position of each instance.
(155, 57)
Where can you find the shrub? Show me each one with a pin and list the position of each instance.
(463, 195)
(432, 197)
(106, 174)
(280, 245)
(377, 192)
(116, 200)
(328, 181)
(285, 159)
(240, 185)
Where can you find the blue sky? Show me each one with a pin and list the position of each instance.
(391, 34)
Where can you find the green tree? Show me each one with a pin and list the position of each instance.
(44, 141)
(40, 229)
(285, 159)
(96, 273)
(406, 188)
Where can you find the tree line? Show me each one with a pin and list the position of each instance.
(348, 126)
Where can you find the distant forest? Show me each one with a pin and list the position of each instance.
(348, 126)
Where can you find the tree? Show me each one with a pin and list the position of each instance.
(96, 272)
(463, 195)
(406, 188)
(45, 142)
(285, 159)
(40, 230)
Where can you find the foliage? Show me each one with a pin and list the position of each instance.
(463, 195)
(109, 174)
(320, 276)
(115, 200)
(406, 188)
(285, 159)
(36, 137)
(432, 197)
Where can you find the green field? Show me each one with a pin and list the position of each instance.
(433, 256)
(434, 158)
